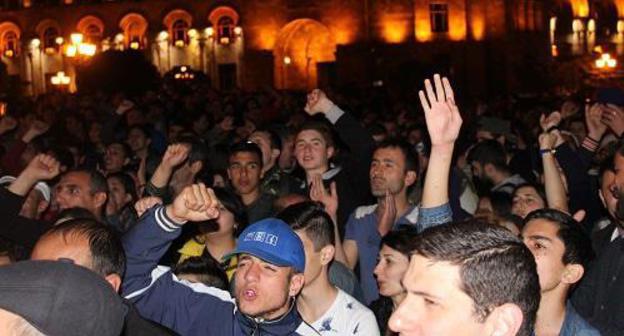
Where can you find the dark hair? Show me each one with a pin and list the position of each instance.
(206, 268)
(401, 240)
(127, 181)
(74, 213)
(320, 126)
(313, 219)
(97, 181)
(489, 151)
(501, 203)
(107, 253)
(495, 267)
(246, 147)
(410, 156)
(63, 155)
(234, 205)
(607, 165)
(578, 247)
(537, 187)
(274, 139)
(198, 152)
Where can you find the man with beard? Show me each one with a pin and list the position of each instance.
(393, 170)
(269, 275)
(490, 170)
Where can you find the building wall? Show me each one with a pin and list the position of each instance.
(295, 44)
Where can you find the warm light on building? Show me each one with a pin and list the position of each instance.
(606, 62)
(554, 51)
(135, 45)
(209, 32)
(71, 51)
(163, 36)
(192, 33)
(238, 30)
(60, 79)
(9, 53)
(580, 8)
(394, 30)
(35, 43)
(287, 60)
(76, 38)
(591, 26)
(179, 43)
(87, 49)
(577, 26)
(59, 40)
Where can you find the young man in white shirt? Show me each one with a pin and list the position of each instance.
(329, 310)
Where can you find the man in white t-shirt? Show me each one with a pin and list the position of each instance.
(329, 310)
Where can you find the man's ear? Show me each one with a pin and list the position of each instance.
(504, 320)
(275, 153)
(327, 254)
(572, 273)
(296, 284)
(100, 199)
(410, 178)
(114, 280)
(197, 166)
(330, 152)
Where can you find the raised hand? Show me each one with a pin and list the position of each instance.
(317, 102)
(386, 212)
(145, 204)
(441, 113)
(42, 167)
(37, 128)
(195, 203)
(547, 140)
(550, 121)
(319, 193)
(593, 117)
(175, 155)
(7, 123)
(613, 117)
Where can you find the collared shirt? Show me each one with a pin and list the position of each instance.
(575, 325)
(362, 228)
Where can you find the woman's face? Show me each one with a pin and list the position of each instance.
(389, 271)
(525, 200)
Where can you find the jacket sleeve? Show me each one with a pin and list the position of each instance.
(18, 229)
(430, 217)
(187, 308)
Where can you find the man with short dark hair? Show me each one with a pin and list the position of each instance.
(490, 170)
(562, 251)
(326, 307)
(245, 173)
(116, 157)
(470, 279)
(274, 181)
(393, 170)
(269, 274)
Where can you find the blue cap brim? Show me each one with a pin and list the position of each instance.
(270, 258)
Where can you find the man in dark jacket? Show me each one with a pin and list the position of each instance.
(315, 147)
(269, 274)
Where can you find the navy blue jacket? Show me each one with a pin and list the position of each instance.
(187, 308)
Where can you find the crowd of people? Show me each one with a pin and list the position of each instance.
(186, 211)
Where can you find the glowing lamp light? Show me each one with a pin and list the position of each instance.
(554, 51)
(287, 60)
(59, 40)
(577, 25)
(224, 40)
(606, 62)
(553, 23)
(591, 26)
(119, 38)
(9, 53)
(620, 26)
(209, 31)
(177, 76)
(179, 43)
(163, 35)
(87, 49)
(50, 50)
(35, 43)
(76, 38)
(71, 51)
(60, 79)
(238, 30)
(134, 45)
(192, 33)
(183, 68)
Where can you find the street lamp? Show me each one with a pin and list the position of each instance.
(60, 80)
(606, 62)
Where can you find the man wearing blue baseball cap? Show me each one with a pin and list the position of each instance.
(269, 275)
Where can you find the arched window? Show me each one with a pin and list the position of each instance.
(225, 29)
(180, 32)
(10, 43)
(93, 33)
(49, 39)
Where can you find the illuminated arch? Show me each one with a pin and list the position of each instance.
(224, 19)
(221, 11)
(134, 27)
(10, 35)
(48, 31)
(178, 22)
(91, 27)
(300, 45)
